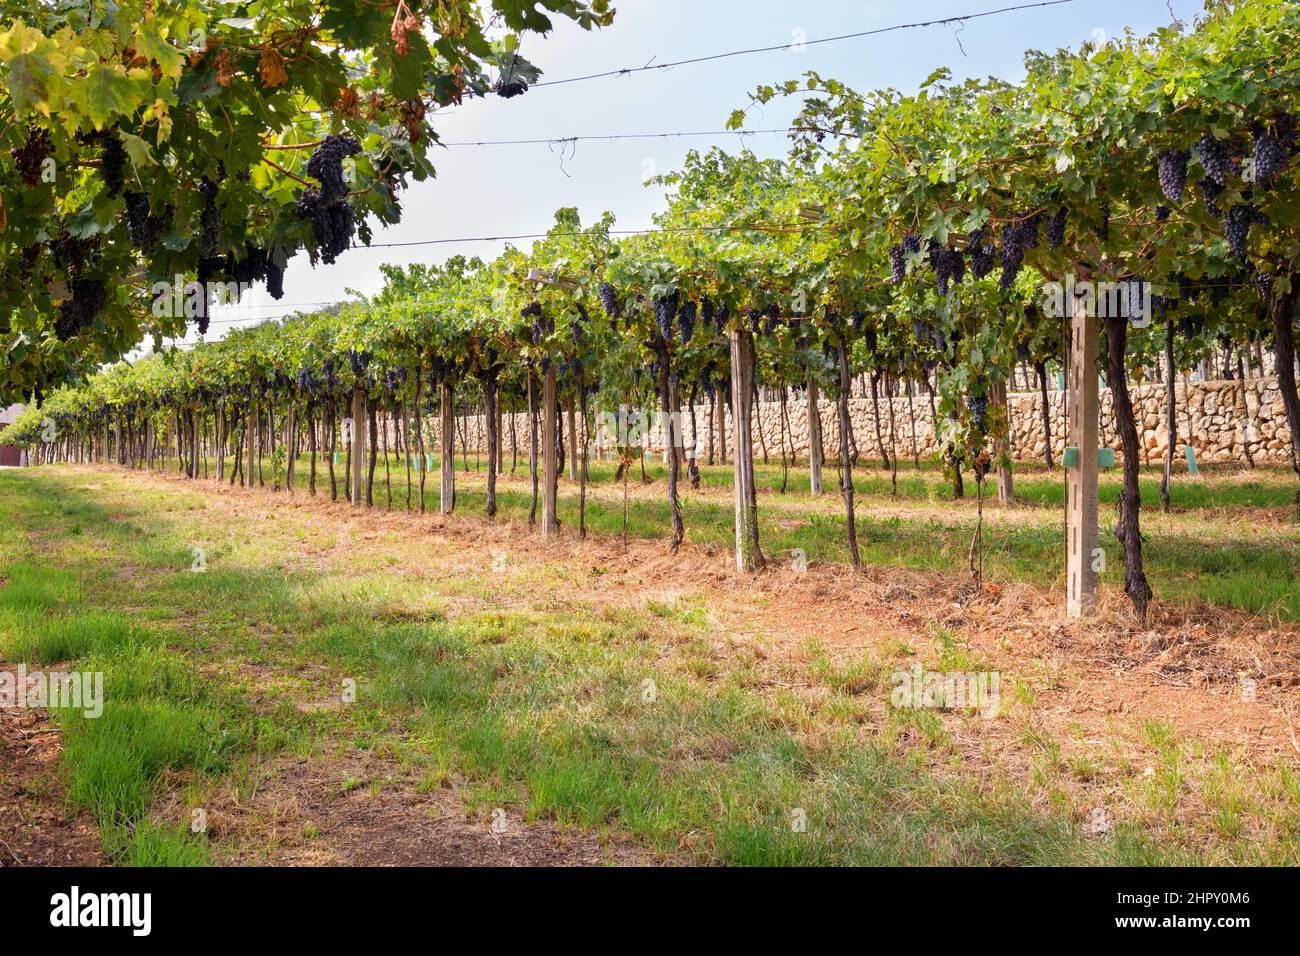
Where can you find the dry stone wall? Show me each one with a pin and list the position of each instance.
(1222, 418)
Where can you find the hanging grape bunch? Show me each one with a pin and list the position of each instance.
(897, 265)
(1269, 156)
(209, 218)
(772, 318)
(686, 320)
(112, 166)
(1012, 254)
(143, 229)
(77, 313)
(508, 85)
(1056, 228)
(1171, 167)
(608, 300)
(30, 157)
(1237, 228)
(1263, 282)
(1215, 158)
(978, 405)
(1103, 228)
(665, 307)
(327, 208)
(359, 361)
(981, 254)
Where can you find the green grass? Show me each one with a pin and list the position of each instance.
(1208, 549)
(610, 718)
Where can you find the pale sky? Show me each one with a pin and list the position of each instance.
(497, 190)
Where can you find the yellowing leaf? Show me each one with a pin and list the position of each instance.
(106, 91)
(149, 43)
(271, 68)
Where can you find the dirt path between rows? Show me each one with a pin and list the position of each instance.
(1185, 666)
(1088, 678)
(37, 828)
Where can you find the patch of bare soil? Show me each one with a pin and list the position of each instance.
(37, 828)
(349, 811)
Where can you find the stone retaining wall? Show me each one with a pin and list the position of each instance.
(1220, 416)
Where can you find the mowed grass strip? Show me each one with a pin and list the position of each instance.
(612, 718)
(1232, 539)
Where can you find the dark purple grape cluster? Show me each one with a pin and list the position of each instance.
(1162, 213)
(1056, 228)
(274, 278)
(209, 218)
(1216, 159)
(708, 313)
(949, 266)
(1103, 228)
(1210, 192)
(251, 268)
(78, 312)
(686, 320)
(1191, 326)
(1012, 254)
(608, 299)
(307, 382)
(394, 379)
(509, 88)
(856, 320)
(665, 310)
(332, 225)
(531, 310)
(359, 362)
(1270, 158)
(1236, 226)
(325, 165)
(1171, 167)
(978, 405)
(897, 264)
(112, 166)
(327, 208)
(31, 155)
(982, 256)
(1029, 226)
(142, 228)
(911, 244)
(1263, 282)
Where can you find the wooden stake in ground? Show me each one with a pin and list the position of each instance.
(1081, 479)
(814, 439)
(250, 429)
(749, 557)
(358, 441)
(1002, 446)
(447, 445)
(550, 456)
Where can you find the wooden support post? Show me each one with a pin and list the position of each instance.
(1002, 447)
(250, 430)
(358, 442)
(550, 456)
(814, 440)
(1081, 480)
(572, 416)
(748, 555)
(447, 444)
(722, 428)
(290, 443)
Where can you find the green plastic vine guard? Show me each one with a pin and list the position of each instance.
(1105, 457)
